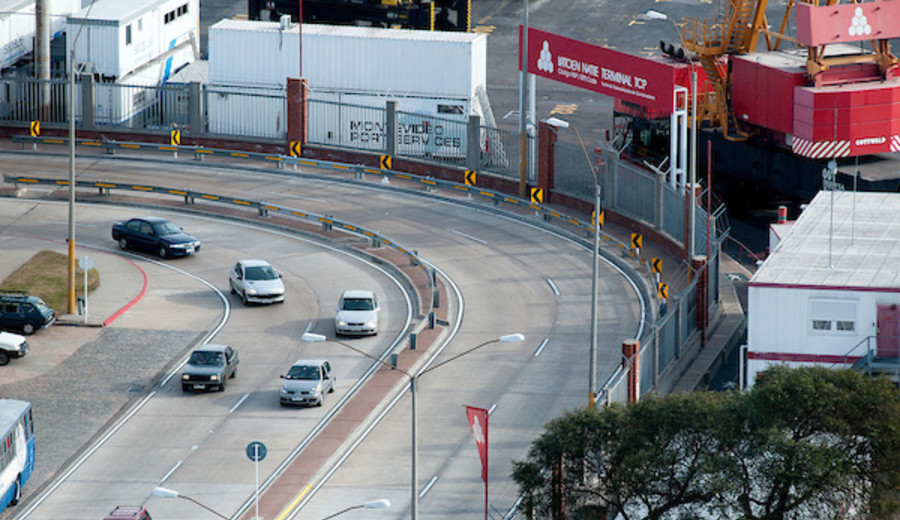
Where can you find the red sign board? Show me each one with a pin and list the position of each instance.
(645, 81)
(478, 421)
(823, 24)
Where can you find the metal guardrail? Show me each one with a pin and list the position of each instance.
(359, 170)
(328, 222)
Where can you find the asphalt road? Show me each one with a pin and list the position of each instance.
(514, 278)
(186, 301)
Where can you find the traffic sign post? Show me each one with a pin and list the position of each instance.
(86, 264)
(256, 451)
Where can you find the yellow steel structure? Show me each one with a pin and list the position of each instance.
(736, 31)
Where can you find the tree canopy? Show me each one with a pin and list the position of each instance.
(802, 443)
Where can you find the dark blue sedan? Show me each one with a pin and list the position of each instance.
(154, 235)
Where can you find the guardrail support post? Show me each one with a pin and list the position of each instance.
(390, 131)
(630, 361)
(358, 172)
(413, 257)
(431, 320)
(263, 212)
(195, 109)
(435, 298)
(412, 341)
(473, 143)
(111, 148)
(87, 101)
(428, 186)
(326, 226)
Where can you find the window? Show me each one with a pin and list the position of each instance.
(821, 325)
(833, 316)
(450, 109)
(846, 326)
(128, 34)
(177, 13)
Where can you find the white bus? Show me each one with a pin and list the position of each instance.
(16, 450)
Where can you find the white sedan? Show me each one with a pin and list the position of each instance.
(357, 313)
(256, 281)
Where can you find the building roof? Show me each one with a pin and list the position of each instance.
(864, 251)
(114, 11)
(349, 31)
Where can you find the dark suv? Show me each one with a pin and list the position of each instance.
(210, 366)
(20, 312)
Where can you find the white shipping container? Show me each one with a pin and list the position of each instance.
(424, 126)
(393, 62)
(17, 26)
(120, 38)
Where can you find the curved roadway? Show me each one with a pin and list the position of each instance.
(513, 277)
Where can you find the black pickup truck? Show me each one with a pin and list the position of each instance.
(154, 235)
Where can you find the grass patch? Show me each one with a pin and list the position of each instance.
(46, 275)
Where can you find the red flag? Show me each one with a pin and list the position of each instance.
(478, 421)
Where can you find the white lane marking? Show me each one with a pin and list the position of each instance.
(298, 197)
(171, 471)
(470, 237)
(541, 347)
(492, 408)
(552, 286)
(63, 223)
(235, 407)
(427, 487)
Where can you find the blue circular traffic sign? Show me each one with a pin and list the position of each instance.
(256, 451)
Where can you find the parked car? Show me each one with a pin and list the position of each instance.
(21, 312)
(306, 383)
(12, 346)
(209, 366)
(154, 235)
(128, 513)
(357, 313)
(256, 281)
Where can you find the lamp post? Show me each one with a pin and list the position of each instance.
(414, 491)
(692, 215)
(70, 295)
(372, 504)
(595, 257)
(171, 493)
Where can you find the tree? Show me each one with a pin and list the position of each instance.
(803, 443)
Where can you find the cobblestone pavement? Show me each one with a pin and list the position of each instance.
(75, 400)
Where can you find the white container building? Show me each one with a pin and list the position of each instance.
(829, 294)
(138, 42)
(17, 26)
(434, 74)
(129, 45)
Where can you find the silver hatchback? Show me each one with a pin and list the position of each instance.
(306, 383)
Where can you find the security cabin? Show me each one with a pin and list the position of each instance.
(829, 293)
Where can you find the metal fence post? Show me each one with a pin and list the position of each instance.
(473, 143)
(195, 108)
(390, 129)
(87, 101)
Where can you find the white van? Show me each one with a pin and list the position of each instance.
(12, 346)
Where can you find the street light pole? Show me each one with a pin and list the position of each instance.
(171, 493)
(523, 123)
(70, 300)
(414, 477)
(373, 504)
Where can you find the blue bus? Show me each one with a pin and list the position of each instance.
(16, 450)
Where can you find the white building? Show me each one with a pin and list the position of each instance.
(17, 26)
(436, 74)
(829, 293)
(138, 42)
